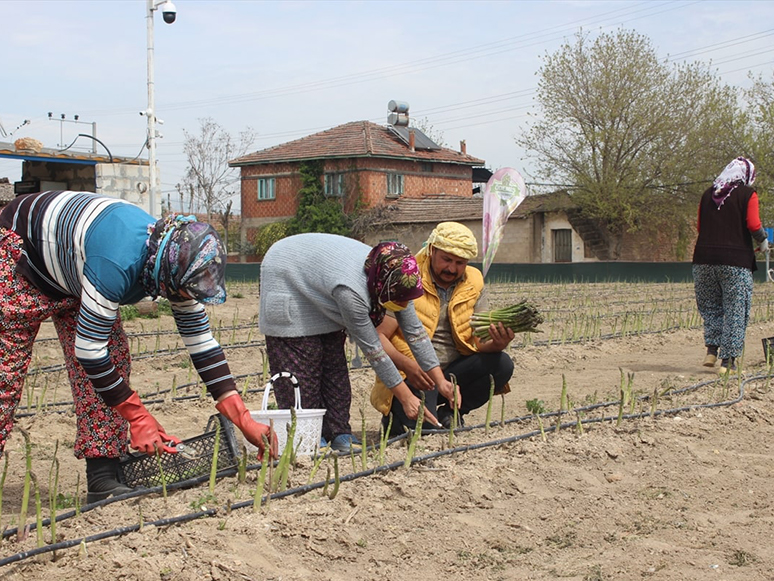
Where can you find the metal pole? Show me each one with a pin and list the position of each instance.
(151, 115)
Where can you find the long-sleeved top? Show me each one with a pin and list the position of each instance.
(94, 248)
(724, 233)
(312, 284)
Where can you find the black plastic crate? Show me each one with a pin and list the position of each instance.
(143, 470)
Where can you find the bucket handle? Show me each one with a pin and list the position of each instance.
(270, 385)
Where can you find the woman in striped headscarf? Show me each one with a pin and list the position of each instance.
(76, 257)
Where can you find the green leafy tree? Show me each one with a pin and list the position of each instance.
(316, 212)
(269, 234)
(758, 143)
(636, 140)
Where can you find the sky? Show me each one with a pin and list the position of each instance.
(468, 69)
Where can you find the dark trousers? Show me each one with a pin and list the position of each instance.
(472, 373)
(320, 366)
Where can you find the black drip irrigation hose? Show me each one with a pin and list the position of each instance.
(376, 470)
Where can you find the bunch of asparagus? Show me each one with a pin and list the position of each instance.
(522, 317)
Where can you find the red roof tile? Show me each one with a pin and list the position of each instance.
(440, 208)
(355, 139)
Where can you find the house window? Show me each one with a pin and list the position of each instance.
(394, 184)
(266, 189)
(334, 185)
(427, 167)
(562, 245)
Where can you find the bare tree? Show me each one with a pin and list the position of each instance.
(428, 129)
(209, 180)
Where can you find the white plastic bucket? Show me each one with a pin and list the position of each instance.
(308, 422)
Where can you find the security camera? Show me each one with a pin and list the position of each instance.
(169, 12)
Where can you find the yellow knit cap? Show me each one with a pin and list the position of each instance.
(454, 238)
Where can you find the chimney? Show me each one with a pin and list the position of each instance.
(412, 139)
(463, 147)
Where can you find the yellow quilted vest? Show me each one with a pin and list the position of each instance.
(461, 306)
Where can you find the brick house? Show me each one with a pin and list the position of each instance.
(366, 165)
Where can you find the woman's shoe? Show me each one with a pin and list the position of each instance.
(345, 443)
(711, 357)
(102, 479)
(727, 366)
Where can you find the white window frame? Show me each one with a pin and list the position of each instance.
(395, 184)
(266, 189)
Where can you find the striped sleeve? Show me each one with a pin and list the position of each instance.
(206, 353)
(96, 318)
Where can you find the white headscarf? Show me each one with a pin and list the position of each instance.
(740, 172)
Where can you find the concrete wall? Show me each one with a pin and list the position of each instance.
(128, 182)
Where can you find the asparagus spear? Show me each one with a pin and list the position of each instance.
(522, 317)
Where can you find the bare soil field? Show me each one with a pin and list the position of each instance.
(679, 488)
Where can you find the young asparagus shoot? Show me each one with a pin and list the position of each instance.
(624, 401)
(23, 528)
(162, 475)
(364, 446)
(455, 412)
(2, 481)
(283, 465)
(258, 496)
(417, 432)
(53, 491)
(214, 463)
(654, 403)
(336, 478)
(489, 404)
(563, 403)
(384, 435)
(38, 511)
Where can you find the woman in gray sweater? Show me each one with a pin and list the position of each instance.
(318, 288)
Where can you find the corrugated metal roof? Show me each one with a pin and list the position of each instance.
(355, 139)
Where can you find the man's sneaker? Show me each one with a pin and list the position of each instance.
(727, 366)
(345, 443)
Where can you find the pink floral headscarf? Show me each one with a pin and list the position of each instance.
(392, 275)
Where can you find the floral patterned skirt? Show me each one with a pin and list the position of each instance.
(100, 432)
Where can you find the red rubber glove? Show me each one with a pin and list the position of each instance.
(234, 409)
(147, 435)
